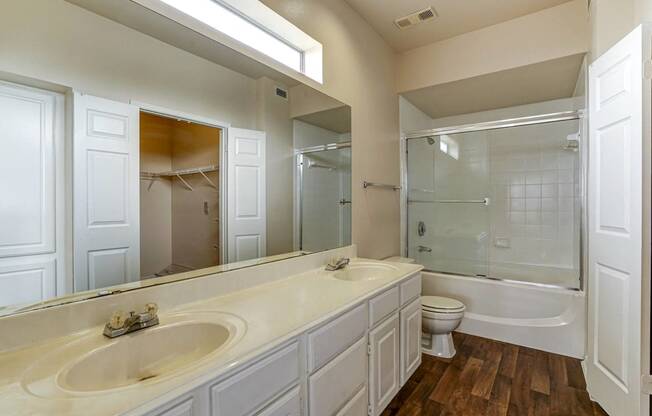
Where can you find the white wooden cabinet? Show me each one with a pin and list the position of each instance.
(352, 365)
(410, 339)
(384, 371)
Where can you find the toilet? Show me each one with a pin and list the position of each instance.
(440, 317)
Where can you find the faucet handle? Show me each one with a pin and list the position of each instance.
(118, 320)
(151, 309)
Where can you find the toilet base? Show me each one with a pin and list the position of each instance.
(438, 345)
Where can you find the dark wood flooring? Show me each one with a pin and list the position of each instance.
(491, 378)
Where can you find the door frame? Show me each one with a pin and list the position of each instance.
(223, 159)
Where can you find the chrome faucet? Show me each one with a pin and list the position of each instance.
(337, 264)
(121, 323)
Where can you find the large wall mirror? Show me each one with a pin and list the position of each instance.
(118, 171)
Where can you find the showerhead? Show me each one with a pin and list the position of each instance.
(431, 141)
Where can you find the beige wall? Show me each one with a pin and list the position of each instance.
(359, 71)
(611, 20)
(273, 117)
(549, 34)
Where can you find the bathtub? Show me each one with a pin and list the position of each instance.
(547, 319)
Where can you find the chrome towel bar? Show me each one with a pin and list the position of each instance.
(483, 201)
(366, 185)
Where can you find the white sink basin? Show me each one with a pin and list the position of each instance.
(365, 271)
(142, 356)
(95, 364)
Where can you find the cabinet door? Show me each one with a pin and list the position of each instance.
(384, 364)
(410, 339)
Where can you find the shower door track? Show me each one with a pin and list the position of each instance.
(501, 124)
(498, 124)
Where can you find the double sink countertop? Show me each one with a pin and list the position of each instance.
(41, 379)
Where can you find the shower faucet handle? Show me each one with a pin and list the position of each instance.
(425, 249)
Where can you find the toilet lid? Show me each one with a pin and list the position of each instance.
(441, 303)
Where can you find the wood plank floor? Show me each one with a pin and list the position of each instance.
(494, 378)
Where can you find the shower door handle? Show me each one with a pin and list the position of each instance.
(344, 201)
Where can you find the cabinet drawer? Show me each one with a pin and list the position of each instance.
(331, 387)
(288, 405)
(326, 342)
(357, 406)
(253, 388)
(382, 306)
(182, 409)
(410, 289)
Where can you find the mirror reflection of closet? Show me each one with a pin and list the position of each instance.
(179, 195)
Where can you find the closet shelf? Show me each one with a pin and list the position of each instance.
(202, 170)
(179, 172)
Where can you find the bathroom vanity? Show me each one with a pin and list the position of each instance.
(247, 342)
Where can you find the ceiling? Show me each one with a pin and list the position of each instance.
(529, 84)
(455, 17)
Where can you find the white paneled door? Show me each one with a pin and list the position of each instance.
(246, 195)
(32, 196)
(619, 120)
(105, 192)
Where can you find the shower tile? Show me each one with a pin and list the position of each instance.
(533, 230)
(566, 176)
(549, 191)
(533, 218)
(566, 190)
(533, 204)
(548, 218)
(517, 204)
(533, 191)
(566, 205)
(533, 178)
(549, 176)
(517, 191)
(517, 217)
(548, 204)
(549, 232)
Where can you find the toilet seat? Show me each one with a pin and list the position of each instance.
(441, 305)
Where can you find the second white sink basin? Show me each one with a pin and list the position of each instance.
(364, 271)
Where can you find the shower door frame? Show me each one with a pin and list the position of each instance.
(299, 155)
(579, 115)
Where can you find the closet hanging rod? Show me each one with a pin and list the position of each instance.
(366, 185)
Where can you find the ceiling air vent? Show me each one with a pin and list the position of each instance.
(415, 18)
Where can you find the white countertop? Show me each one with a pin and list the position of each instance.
(274, 313)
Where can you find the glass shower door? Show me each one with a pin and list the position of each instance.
(325, 199)
(448, 222)
(503, 203)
